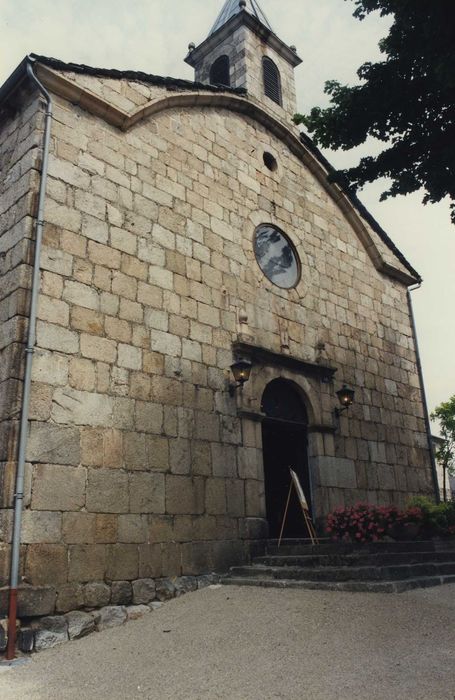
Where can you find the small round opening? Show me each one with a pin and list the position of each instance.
(270, 161)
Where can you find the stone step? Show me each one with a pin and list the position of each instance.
(357, 558)
(348, 586)
(303, 547)
(342, 574)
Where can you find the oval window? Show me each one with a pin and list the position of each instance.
(276, 256)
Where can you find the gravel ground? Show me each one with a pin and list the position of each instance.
(255, 644)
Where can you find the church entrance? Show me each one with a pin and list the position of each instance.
(284, 444)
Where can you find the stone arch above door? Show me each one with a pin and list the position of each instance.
(310, 391)
(281, 399)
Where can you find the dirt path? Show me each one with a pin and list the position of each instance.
(253, 644)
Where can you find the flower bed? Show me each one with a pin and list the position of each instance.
(364, 522)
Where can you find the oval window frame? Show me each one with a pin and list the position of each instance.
(295, 252)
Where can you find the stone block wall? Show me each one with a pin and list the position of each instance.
(20, 139)
(142, 465)
(245, 51)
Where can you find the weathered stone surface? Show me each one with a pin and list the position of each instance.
(155, 605)
(107, 491)
(3, 639)
(50, 368)
(60, 488)
(78, 528)
(253, 528)
(132, 528)
(207, 580)
(51, 632)
(69, 597)
(73, 407)
(122, 562)
(96, 594)
(150, 560)
(54, 337)
(171, 559)
(336, 472)
(5, 558)
(147, 493)
(106, 528)
(197, 557)
(184, 495)
(165, 589)
(31, 600)
(143, 591)
(86, 562)
(46, 564)
(41, 527)
(121, 593)
(185, 584)
(110, 616)
(26, 639)
(53, 444)
(79, 624)
(134, 612)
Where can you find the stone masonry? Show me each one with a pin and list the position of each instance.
(140, 463)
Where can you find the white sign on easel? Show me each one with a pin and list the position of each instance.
(304, 505)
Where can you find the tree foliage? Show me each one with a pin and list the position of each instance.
(445, 414)
(406, 100)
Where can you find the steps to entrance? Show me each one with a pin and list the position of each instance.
(383, 567)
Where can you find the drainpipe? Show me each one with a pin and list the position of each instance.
(29, 350)
(426, 415)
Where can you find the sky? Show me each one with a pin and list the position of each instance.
(153, 36)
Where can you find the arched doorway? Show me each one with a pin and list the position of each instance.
(284, 445)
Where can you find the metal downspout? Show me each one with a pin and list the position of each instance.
(426, 415)
(29, 350)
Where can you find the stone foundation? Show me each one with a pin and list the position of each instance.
(101, 607)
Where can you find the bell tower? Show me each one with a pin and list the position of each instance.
(242, 51)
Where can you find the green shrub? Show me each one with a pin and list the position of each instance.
(438, 519)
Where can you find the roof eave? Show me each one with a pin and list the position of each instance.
(12, 83)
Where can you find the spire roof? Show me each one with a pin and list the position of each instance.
(234, 7)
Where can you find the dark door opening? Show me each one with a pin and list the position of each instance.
(284, 444)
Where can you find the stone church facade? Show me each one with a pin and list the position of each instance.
(164, 201)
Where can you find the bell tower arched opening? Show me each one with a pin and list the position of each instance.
(284, 445)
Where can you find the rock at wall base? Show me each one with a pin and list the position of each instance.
(110, 616)
(207, 580)
(50, 632)
(96, 594)
(165, 589)
(79, 624)
(134, 612)
(143, 591)
(121, 593)
(26, 640)
(185, 584)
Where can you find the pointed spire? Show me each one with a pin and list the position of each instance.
(234, 7)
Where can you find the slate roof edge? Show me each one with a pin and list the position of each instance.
(360, 207)
(13, 81)
(140, 76)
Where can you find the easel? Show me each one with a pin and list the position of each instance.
(304, 505)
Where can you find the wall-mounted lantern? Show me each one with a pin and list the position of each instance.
(241, 369)
(346, 399)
